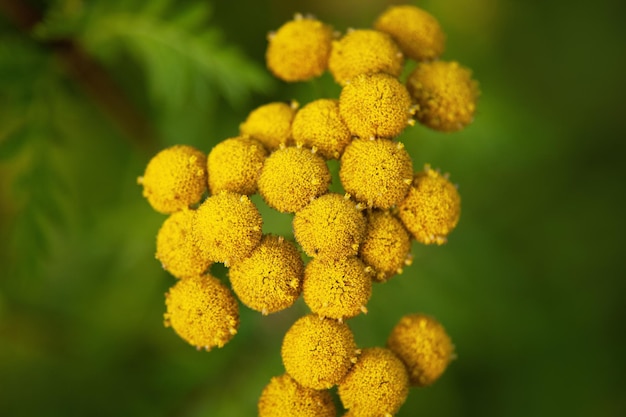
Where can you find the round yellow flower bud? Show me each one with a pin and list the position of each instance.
(235, 164)
(318, 125)
(175, 178)
(386, 246)
(445, 93)
(377, 173)
(283, 396)
(270, 124)
(377, 385)
(177, 247)
(375, 105)
(318, 352)
(228, 227)
(432, 207)
(330, 227)
(423, 345)
(292, 177)
(338, 288)
(299, 50)
(417, 32)
(364, 52)
(202, 311)
(270, 279)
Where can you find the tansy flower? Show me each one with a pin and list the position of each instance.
(299, 49)
(270, 279)
(337, 289)
(270, 124)
(202, 311)
(330, 227)
(175, 178)
(423, 345)
(377, 385)
(318, 352)
(375, 105)
(318, 125)
(364, 52)
(432, 207)
(235, 164)
(292, 177)
(445, 93)
(283, 396)
(418, 33)
(376, 172)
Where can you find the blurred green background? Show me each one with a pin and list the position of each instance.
(530, 286)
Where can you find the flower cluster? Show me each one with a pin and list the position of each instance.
(344, 243)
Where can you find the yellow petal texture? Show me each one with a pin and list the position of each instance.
(445, 93)
(270, 279)
(292, 177)
(423, 345)
(175, 178)
(318, 352)
(202, 311)
(432, 207)
(377, 172)
(283, 396)
(235, 165)
(270, 124)
(377, 385)
(375, 106)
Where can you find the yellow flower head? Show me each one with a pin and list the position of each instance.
(283, 396)
(330, 227)
(386, 245)
(418, 33)
(292, 177)
(377, 172)
(432, 207)
(337, 289)
(228, 227)
(202, 311)
(375, 105)
(318, 352)
(235, 164)
(270, 124)
(318, 125)
(299, 50)
(270, 279)
(423, 345)
(175, 178)
(177, 247)
(377, 385)
(364, 52)
(445, 93)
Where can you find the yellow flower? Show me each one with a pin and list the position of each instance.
(175, 178)
(364, 52)
(299, 50)
(292, 177)
(423, 345)
(318, 352)
(377, 385)
(318, 125)
(270, 124)
(337, 289)
(377, 173)
(270, 279)
(418, 33)
(432, 207)
(375, 105)
(235, 164)
(202, 311)
(283, 396)
(445, 93)
(330, 227)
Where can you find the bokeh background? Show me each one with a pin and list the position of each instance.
(530, 285)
